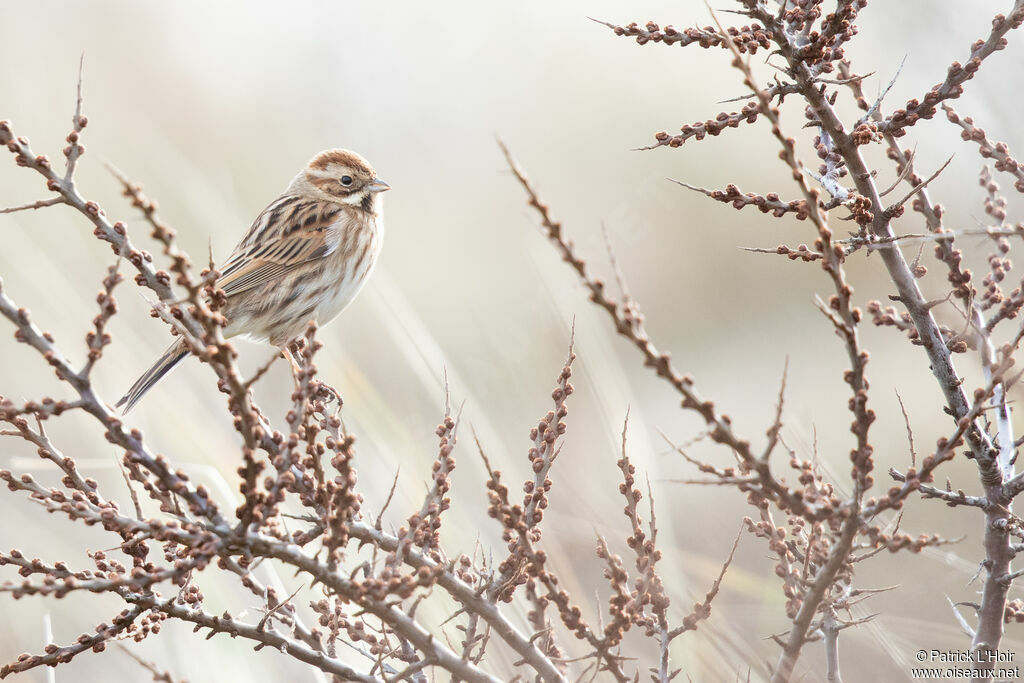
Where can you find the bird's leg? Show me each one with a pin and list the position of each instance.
(333, 392)
(288, 353)
(291, 351)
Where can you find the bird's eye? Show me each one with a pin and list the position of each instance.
(346, 180)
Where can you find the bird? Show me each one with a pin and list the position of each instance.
(305, 257)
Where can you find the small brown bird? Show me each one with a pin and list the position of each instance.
(305, 257)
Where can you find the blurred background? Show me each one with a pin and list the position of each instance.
(213, 107)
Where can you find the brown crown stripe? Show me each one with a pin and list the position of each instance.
(342, 157)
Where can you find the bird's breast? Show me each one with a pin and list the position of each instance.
(351, 265)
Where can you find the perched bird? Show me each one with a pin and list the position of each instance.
(305, 257)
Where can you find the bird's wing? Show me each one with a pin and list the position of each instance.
(279, 241)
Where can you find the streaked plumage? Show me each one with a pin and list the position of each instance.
(305, 257)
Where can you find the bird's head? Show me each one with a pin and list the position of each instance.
(341, 176)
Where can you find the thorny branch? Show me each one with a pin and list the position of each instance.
(810, 42)
(370, 582)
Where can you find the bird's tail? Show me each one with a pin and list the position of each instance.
(171, 358)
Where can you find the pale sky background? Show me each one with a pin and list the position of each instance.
(215, 106)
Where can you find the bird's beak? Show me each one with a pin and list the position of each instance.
(378, 185)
